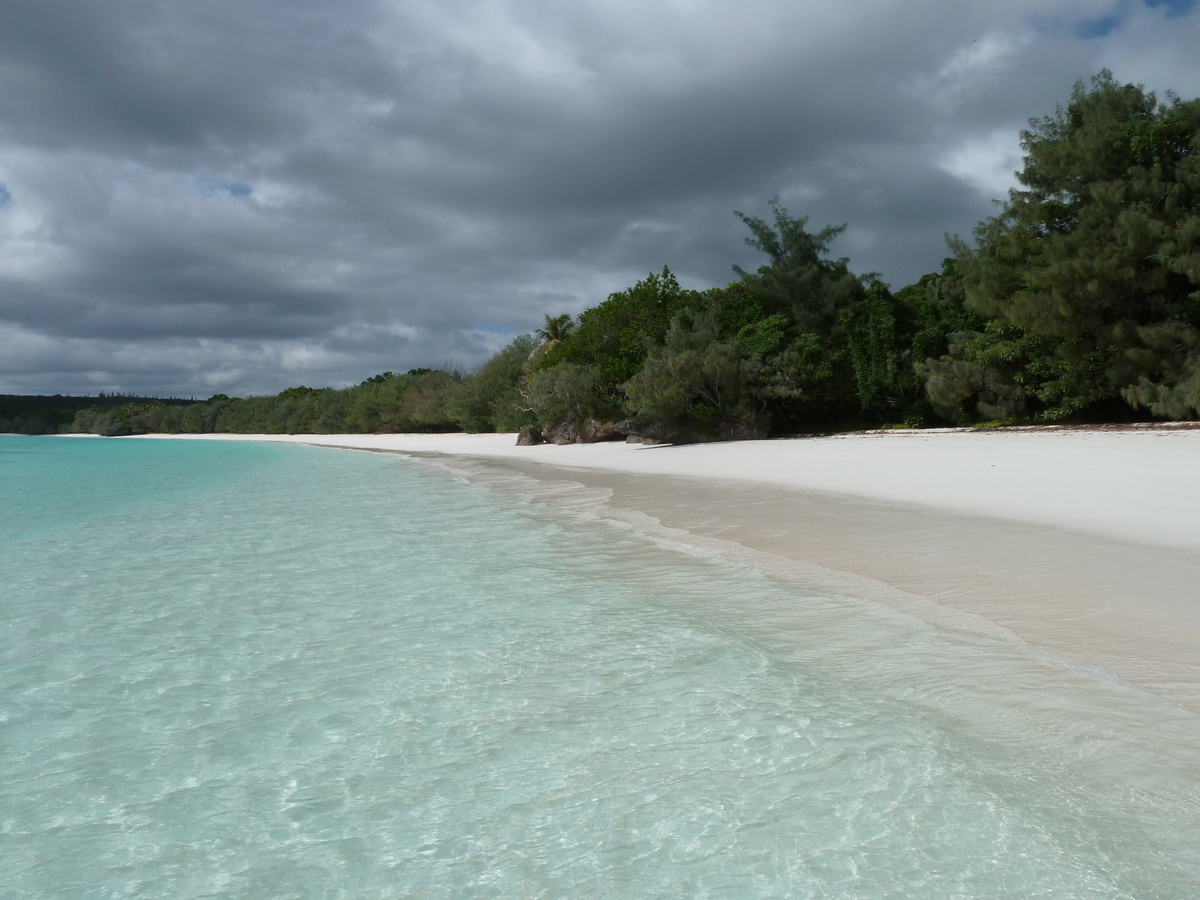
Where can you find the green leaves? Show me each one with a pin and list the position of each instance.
(1158, 143)
(799, 280)
(490, 399)
(693, 374)
(556, 328)
(564, 392)
(613, 336)
(1098, 254)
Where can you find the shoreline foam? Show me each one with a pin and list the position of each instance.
(1084, 543)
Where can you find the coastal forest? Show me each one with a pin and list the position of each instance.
(1078, 302)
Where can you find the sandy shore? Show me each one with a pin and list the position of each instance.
(1085, 544)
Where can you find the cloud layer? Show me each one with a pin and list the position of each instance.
(240, 197)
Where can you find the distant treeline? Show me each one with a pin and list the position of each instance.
(55, 414)
(1079, 302)
(730, 361)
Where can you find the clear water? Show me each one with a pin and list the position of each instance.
(259, 671)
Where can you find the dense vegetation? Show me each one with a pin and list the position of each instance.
(35, 414)
(1087, 282)
(1080, 301)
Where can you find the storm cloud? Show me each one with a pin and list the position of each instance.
(241, 197)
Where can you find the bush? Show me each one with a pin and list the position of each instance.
(566, 392)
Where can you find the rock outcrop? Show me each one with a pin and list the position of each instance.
(634, 431)
(646, 432)
(530, 436)
(591, 431)
(562, 433)
(594, 431)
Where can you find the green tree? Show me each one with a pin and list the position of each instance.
(426, 405)
(812, 378)
(694, 377)
(490, 399)
(799, 279)
(552, 333)
(615, 336)
(565, 392)
(556, 328)
(1095, 260)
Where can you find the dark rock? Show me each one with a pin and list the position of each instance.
(627, 428)
(643, 432)
(594, 431)
(530, 435)
(736, 430)
(562, 433)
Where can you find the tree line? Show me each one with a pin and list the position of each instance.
(1078, 302)
(55, 414)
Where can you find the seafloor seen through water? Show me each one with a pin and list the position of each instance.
(248, 670)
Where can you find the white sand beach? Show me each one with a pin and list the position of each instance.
(1084, 543)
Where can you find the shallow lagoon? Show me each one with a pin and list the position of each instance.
(237, 669)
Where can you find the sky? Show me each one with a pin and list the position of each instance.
(241, 197)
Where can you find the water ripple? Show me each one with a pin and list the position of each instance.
(262, 671)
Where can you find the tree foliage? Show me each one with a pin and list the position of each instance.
(799, 279)
(565, 392)
(614, 336)
(693, 376)
(490, 399)
(555, 328)
(1095, 260)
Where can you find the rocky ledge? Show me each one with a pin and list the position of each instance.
(593, 431)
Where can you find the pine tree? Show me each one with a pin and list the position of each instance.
(1097, 258)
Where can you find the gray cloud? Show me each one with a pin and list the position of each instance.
(239, 197)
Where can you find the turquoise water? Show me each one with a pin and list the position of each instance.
(260, 671)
